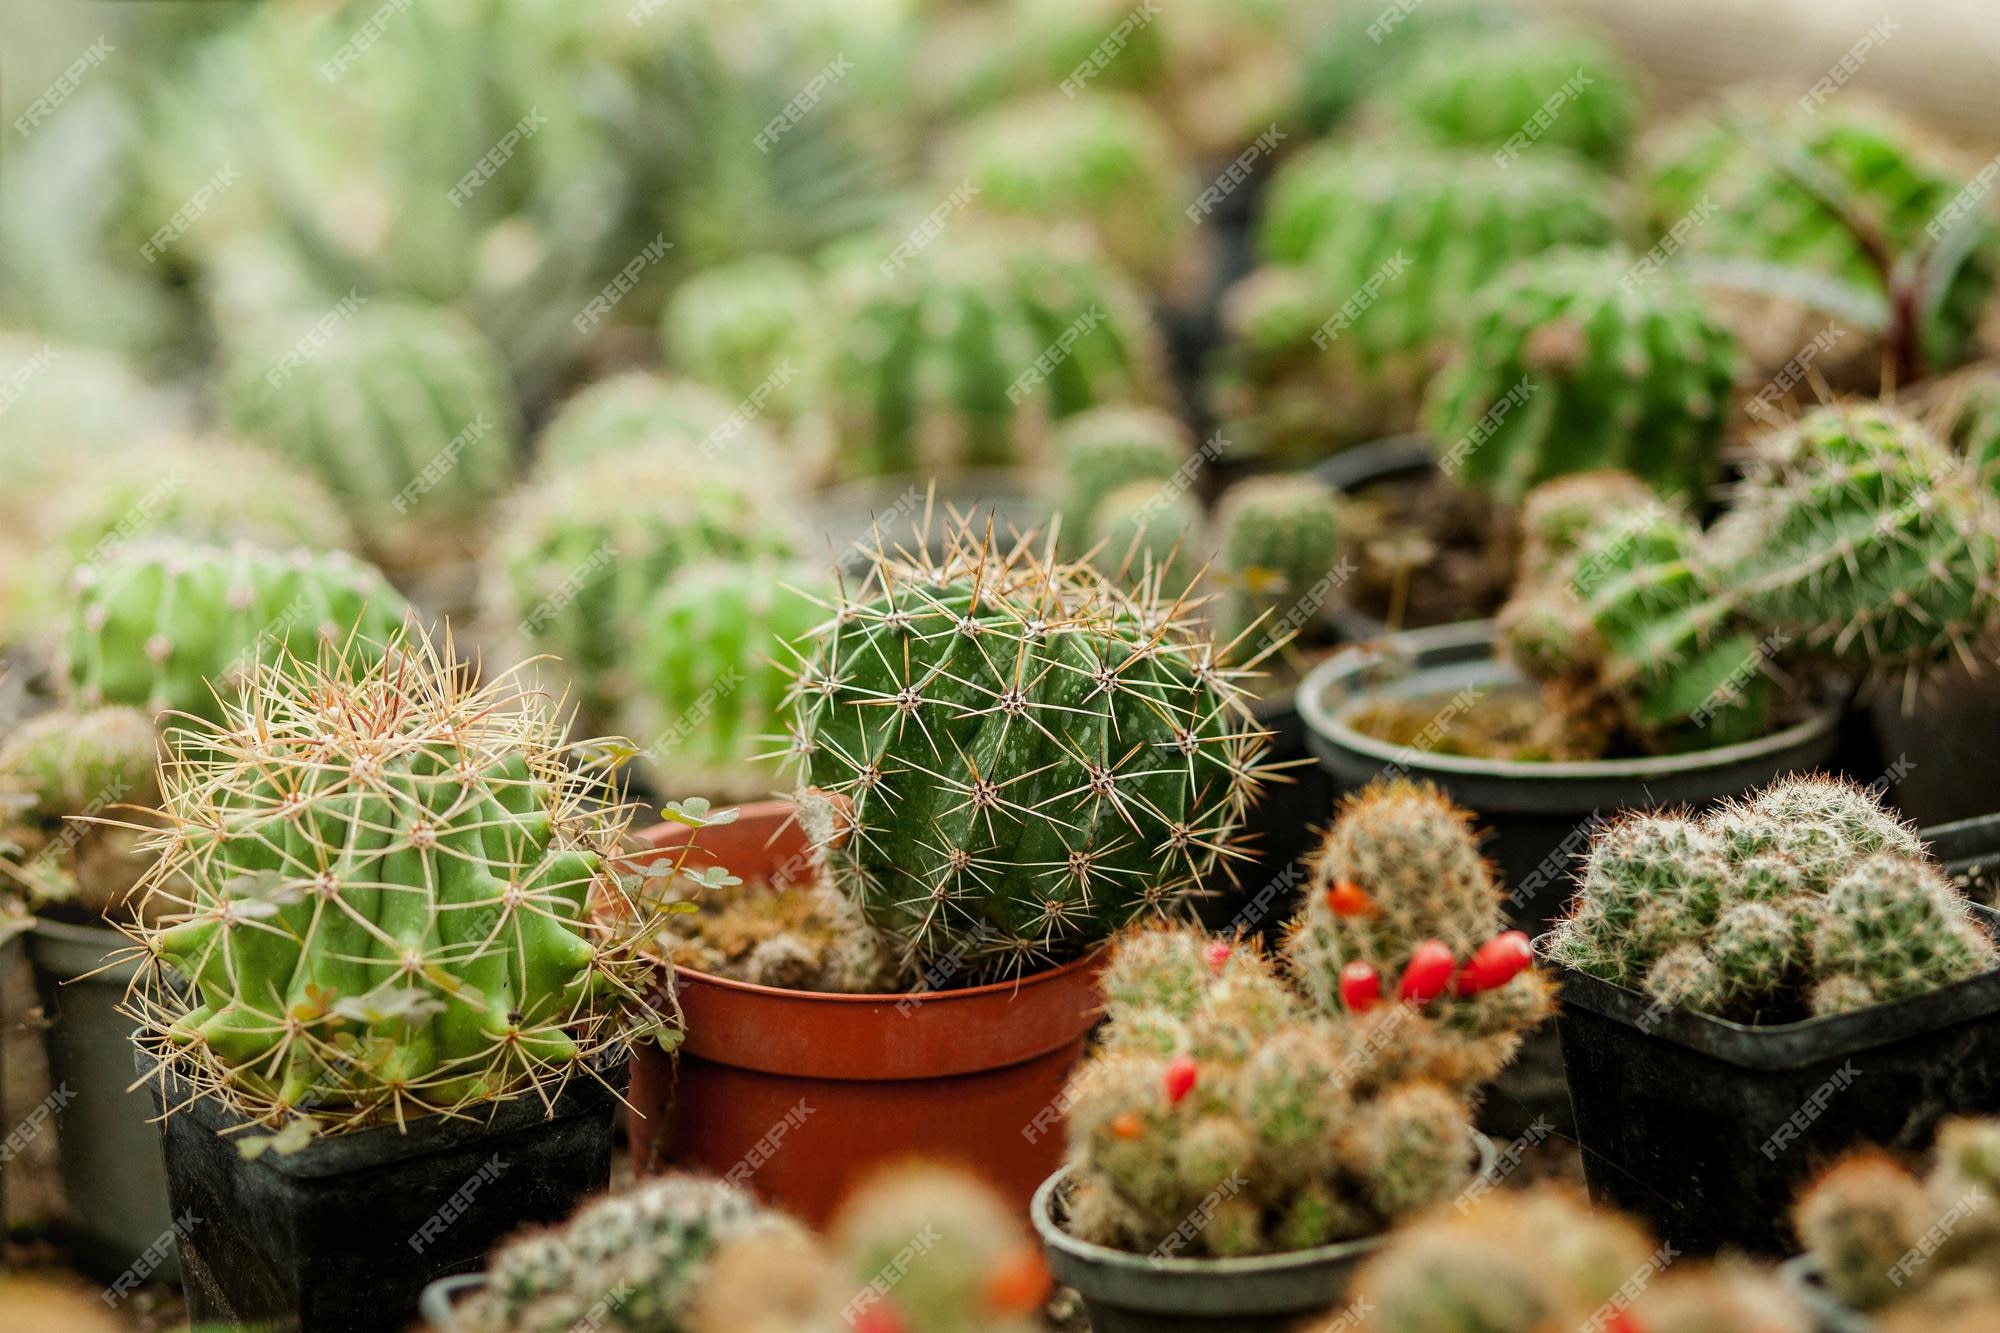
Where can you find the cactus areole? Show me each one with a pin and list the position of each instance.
(1030, 756)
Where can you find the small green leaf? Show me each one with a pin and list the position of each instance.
(296, 1136)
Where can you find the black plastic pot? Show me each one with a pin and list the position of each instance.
(347, 1233)
(1354, 470)
(1137, 1293)
(1970, 852)
(1706, 1129)
(1940, 753)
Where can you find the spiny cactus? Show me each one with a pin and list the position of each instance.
(401, 409)
(1534, 90)
(1280, 553)
(383, 890)
(1146, 532)
(1029, 757)
(1859, 536)
(583, 549)
(1221, 1118)
(1968, 416)
(1109, 448)
(1105, 161)
(1808, 899)
(750, 329)
(717, 645)
(960, 352)
(69, 761)
(176, 625)
(1559, 516)
(638, 1260)
(1566, 364)
(635, 416)
(1858, 1219)
(1727, 1296)
(1344, 57)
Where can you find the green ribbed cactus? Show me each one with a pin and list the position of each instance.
(1567, 363)
(173, 625)
(401, 409)
(1861, 539)
(1533, 90)
(960, 350)
(636, 1261)
(1104, 161)
(1349, 50)
(1144, 531)
(1280, 555)
(1219, 1118)
(1106, 449)
(1029, 757)
(382, 888)
(751, 329)
(717, 646)
(66, 406)
(583, 549)
(1559, 516)
(634, 415)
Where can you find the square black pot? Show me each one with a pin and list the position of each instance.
(345, 1234)
(1707, 1129)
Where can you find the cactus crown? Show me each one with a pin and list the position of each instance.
(382, 889)
(1029, 756)
(1106, 449)
(1280, 540)
(741, 326)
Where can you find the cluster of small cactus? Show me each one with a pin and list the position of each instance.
(1567, 363)
(1006, 758)
(1521, 1262)
(1279, 556)
(959, 350)
(402, 410)
(172, 625)
(750, 327)
(1807, 899)
(382, 889)
(1911, 1250)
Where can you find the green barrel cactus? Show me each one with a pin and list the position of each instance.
(402, 410)
(1532, 90)
(1280, 554)
(1106, 449)
(750, 329)
(1569, 363)
(1024, 757)
(958, 351)
(383, 888)
(176, 626)
(635, 414)
(717, 647)
(1350, 51)
(1144, 532)
(1106, 161)
(583, 549)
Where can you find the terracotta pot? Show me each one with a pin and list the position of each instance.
(799, 1094)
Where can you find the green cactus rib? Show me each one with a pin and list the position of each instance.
(69, 761)
(384, 888)
(1600, 369)
(1032, 757)
(175, 625)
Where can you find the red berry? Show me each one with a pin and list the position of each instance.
(1346, 898)
(883, 1318)
(1427, 973)
(1360, 988)
(1218, 956)
(1497, 962)
(1181, 1074)
(1128, 1125)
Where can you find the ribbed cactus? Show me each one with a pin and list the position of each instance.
(1105, 449)
(1105, 161)
(401, 409)
(1280, 554)
(65, 406)
(960, 351)
(1029, 757)
(636, 1261)
(383, 889)
(749, 327)
(173, 625)
(635, 415)
(583, 550)
(1144, 531)
(1559, 516)
(1566, 364)
(717, 646)
(1807, 899)
(1533, 90)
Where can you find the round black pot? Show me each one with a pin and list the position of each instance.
(346, 1234)
(1137, 1293)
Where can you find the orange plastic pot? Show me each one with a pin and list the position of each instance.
(800, 1094)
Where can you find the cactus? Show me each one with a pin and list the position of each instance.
(1558, 517)
(747, 329)
(1857, 534)
(962, 351)
(1280, 556)
(174, 625)
(1106, 162)
(1105, 449)
(1145, 531)
(1567, 363)
(635, 415)
(1898, 925)
(1858, 1219)
(638, 1260)
(383, 890)
(401, 409)
(1968, 415)
(1730, 1295)
(69, 761)
(583, 549)
(717, 645)
(67, 405)
(1342, 62)
(1529, 91)
(1029, 757)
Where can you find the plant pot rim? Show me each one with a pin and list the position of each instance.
(438, 1304)
(1465, 641)
(1377, 460)
(1781, 1046)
